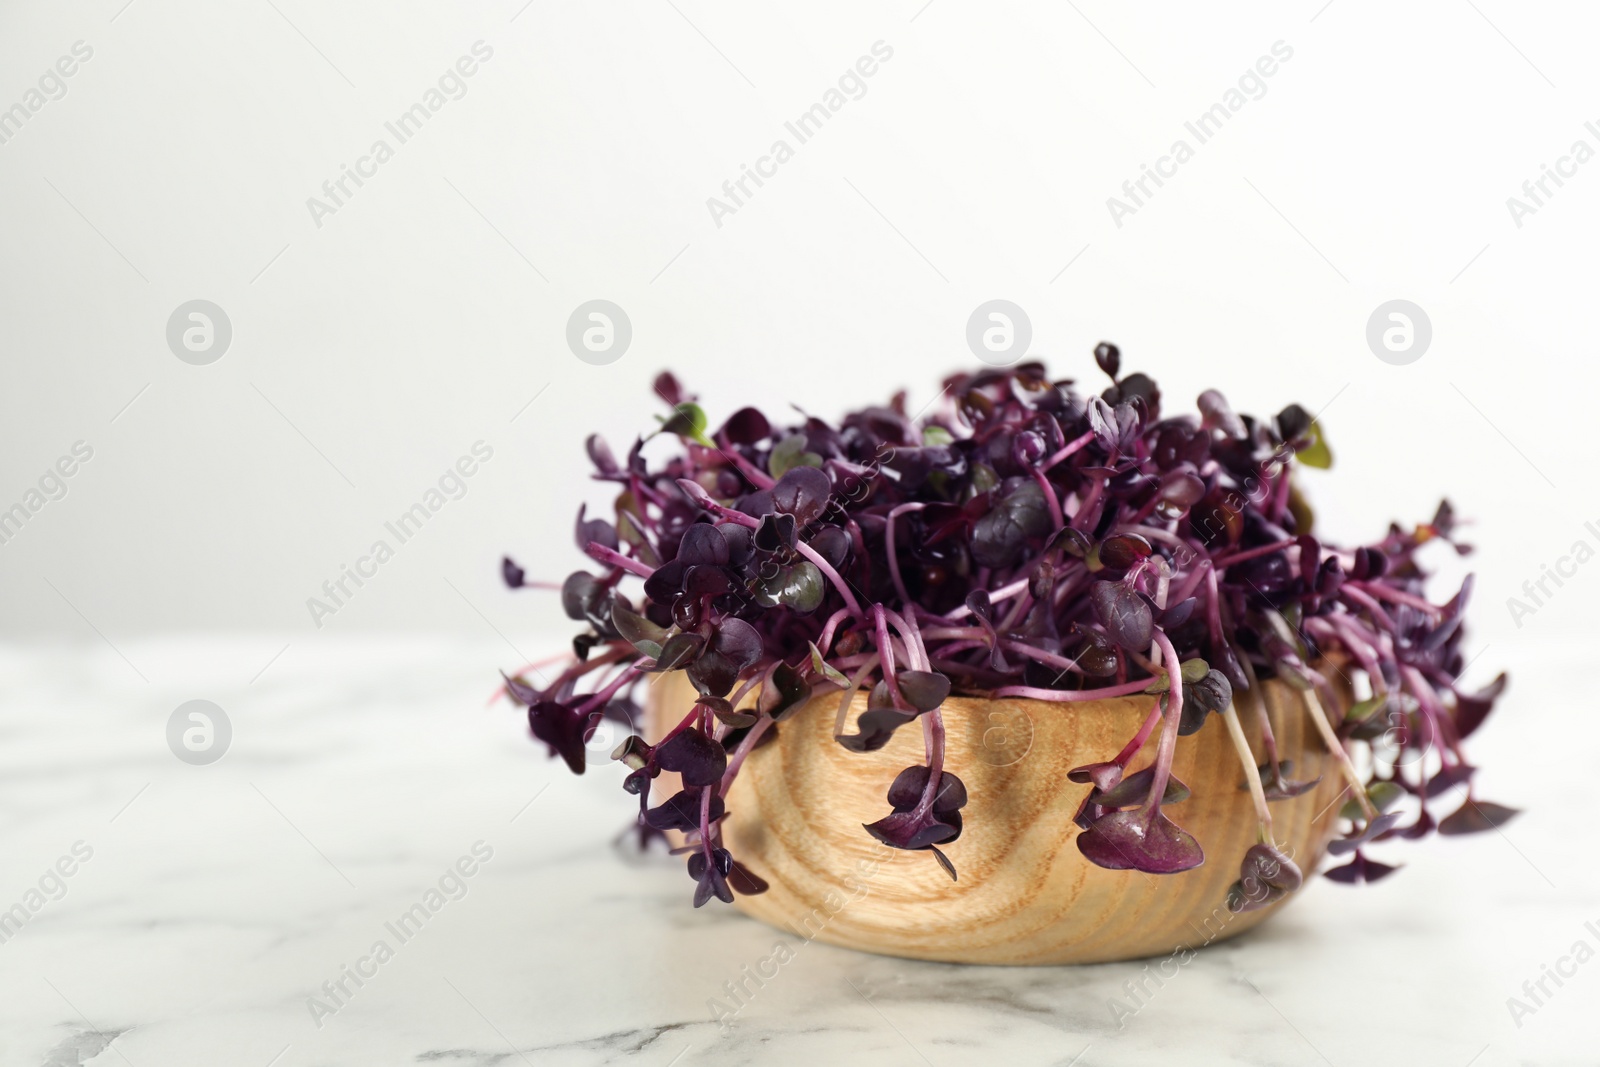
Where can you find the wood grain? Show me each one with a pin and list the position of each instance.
(1025, 894)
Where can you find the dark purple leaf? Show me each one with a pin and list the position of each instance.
(563, 729)
(693, 755)
(1210, 694)
(914, 829)
(874, 727)
(747, 426)
(681, 811)
(1475, 816)
(678, 651)
(1109, 357)
(702, 544)
(923, 690)
(910, 784)
(1000, 536)
(802, 492)
(1135, 788)
(1266, 876)
(1140, 840)
(597, 530)
(1124, 613)
(1371, 830)
(798, 585)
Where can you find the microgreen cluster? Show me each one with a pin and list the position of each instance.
(1023, 539)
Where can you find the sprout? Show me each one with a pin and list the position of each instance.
(1021, 539)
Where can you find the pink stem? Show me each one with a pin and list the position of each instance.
(746, 746)
(755, 476)
(1074, 695)
(1254, 553)
(630, 673)
(1072, 446)
(1003, 593)
(828, 628)
(1056, 520)
(1132, 747)
(611, 557)
(833, 576)
(1357, 597)
(894, 556)
(886, 649)
(1169, 732)
(1395, 596)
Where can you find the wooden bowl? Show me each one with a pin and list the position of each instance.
(1025, 894)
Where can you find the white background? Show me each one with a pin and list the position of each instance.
(372, 351)
(407, 326)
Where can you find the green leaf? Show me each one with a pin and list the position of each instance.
(1316, 453)
(678, 651)
(1192, 671)
(826, 669)
(790, 453)
(637, 630)
(628, 531)
(1383, 795)
(688, 420)
(1366, 709)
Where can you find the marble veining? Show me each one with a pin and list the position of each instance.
(219, 899)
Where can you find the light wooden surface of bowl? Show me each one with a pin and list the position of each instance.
(1025, 894)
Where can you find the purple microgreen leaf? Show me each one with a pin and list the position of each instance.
(1134, 788)
(1475, 816)
(1448, 778)
(1105, 776)
(798, 585)
(1124, 614)
(634, 753)
(747, 426)
(907, 790)
(637, 630)
(1122, 551)
(988, 526)
(1266, 876)
(564, 729)
(923, 690)
(916, 828)
(744, 881)
(1358, 870)
(874, 728)
(694, 756)
(1109, 358)
(802, 492)
(678, 650)
(1141, 840)
(785, 692)
(1002, 534)
(1373, 829)
(681, 811)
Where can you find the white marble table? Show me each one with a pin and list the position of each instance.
(219, 899)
